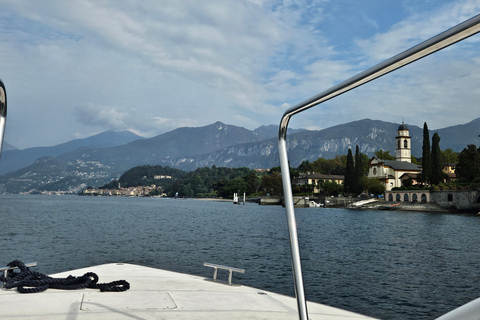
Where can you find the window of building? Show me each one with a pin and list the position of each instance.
(450, 197)
(398, 198)
(405, 143)
(390, 197)
(405, 197)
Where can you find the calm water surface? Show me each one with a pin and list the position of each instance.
(390, 265)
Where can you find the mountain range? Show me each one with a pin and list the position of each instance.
(14, 159)
(96, 160)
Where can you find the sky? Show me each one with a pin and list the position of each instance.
(76, 68)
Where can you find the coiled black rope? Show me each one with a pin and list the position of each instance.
(27, 281)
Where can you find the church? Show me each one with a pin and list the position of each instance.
(392, 172)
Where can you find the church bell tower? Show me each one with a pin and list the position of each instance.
(404, 148)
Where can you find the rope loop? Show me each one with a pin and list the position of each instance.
(27, 281)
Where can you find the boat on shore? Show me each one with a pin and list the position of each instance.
(394, 206)
(160, 294)
(362, 203)
(313, 204)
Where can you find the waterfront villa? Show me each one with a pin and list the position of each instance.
(315, 179)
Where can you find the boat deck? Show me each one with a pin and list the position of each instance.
(158, 294)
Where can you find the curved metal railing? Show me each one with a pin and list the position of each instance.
(3, 113)
(439, 42)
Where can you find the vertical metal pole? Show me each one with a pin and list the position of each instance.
(292, 228)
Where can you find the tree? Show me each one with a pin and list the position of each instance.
(359, 172)
(330, 166)
(468, 167)
(237, 185)
(349, 182)
(331, 188)
(272, 183)
(436, 174)
(305, 166)
(252, 182)
(449, 156)
(384, 155)
(375, 186)
(304, 188)
(426, 155)
(365, 162)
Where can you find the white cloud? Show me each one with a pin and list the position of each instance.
(415, 29)
(102, 116)
(188, 63)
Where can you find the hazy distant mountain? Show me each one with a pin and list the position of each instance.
(51, 174)
(369, 135)
(7, 146)
(221, 145)
(177, 143)
(12, 160)
(271, 131)
(459, 136)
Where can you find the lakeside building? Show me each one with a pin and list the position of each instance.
(449, 169)
(393, 172)
(315, 179)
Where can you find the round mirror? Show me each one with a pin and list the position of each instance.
(3, 100)
(3, 112)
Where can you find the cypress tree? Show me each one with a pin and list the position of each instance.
(426, 155)
(359, 172)
(437, 165)
(349, 173)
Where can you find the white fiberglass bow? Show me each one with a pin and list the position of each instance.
(443, 40)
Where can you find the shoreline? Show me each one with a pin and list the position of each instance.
(424, 207)
(413, 207)
(405, 206)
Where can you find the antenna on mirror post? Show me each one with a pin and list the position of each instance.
(3, 113)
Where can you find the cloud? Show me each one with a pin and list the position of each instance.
(146, 66)
(415, 29)
(102, 116)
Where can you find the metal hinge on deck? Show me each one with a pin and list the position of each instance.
(215, 272)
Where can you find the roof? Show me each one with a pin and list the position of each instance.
(322, 176)
(402, 127)
(402, 165)
(409, 175)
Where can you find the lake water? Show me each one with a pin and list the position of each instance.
(390, 265)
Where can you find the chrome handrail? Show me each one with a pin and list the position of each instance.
(219, 266)
(3, 113)
(439, 42)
